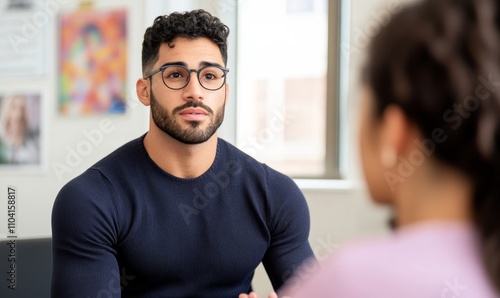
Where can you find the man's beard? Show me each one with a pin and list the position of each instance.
(165, 120)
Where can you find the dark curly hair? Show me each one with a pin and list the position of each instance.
(192, 24)
(434, 60)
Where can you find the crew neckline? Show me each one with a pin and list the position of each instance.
(172, 177)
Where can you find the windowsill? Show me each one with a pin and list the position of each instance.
(336, 185)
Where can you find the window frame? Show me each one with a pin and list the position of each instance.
(333, 94)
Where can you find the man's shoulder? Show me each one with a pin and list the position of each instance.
(123, 156)
(98, 175)
(254, 168)
(248, 162)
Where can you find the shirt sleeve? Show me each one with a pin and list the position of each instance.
(84, 229)
(289, 227)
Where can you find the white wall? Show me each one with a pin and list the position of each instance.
(339, 211)
(37, 189)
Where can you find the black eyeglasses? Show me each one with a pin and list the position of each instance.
(176, 76)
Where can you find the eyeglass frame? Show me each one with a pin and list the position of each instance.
(190, 70)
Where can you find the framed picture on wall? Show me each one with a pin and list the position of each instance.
(20, 129)
(24, 32)
(92, 62)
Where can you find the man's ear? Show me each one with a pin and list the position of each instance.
(226, 93)
(143, 92)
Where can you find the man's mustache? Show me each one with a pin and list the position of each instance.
(193, 104)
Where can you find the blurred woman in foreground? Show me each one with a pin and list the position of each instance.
(430, 148)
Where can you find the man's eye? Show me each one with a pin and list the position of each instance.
(209, 76)
(174, 75)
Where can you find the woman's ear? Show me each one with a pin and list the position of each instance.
(143, 92)
(397, 133)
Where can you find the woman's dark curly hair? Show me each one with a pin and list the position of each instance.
(435, 60)
(192, 24)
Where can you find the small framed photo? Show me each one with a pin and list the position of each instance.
(21, 130)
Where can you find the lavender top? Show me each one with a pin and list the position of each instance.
(433, 259)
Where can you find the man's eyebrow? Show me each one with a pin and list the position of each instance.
(175, 63)
(201, 64)
(207, 63)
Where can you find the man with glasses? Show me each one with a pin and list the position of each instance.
(178, 212)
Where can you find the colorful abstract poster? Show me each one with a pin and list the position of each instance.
(93, 62)
(20, 129)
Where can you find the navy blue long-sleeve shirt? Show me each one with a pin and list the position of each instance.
(126, 227)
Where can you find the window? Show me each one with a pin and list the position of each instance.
(286, 85)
